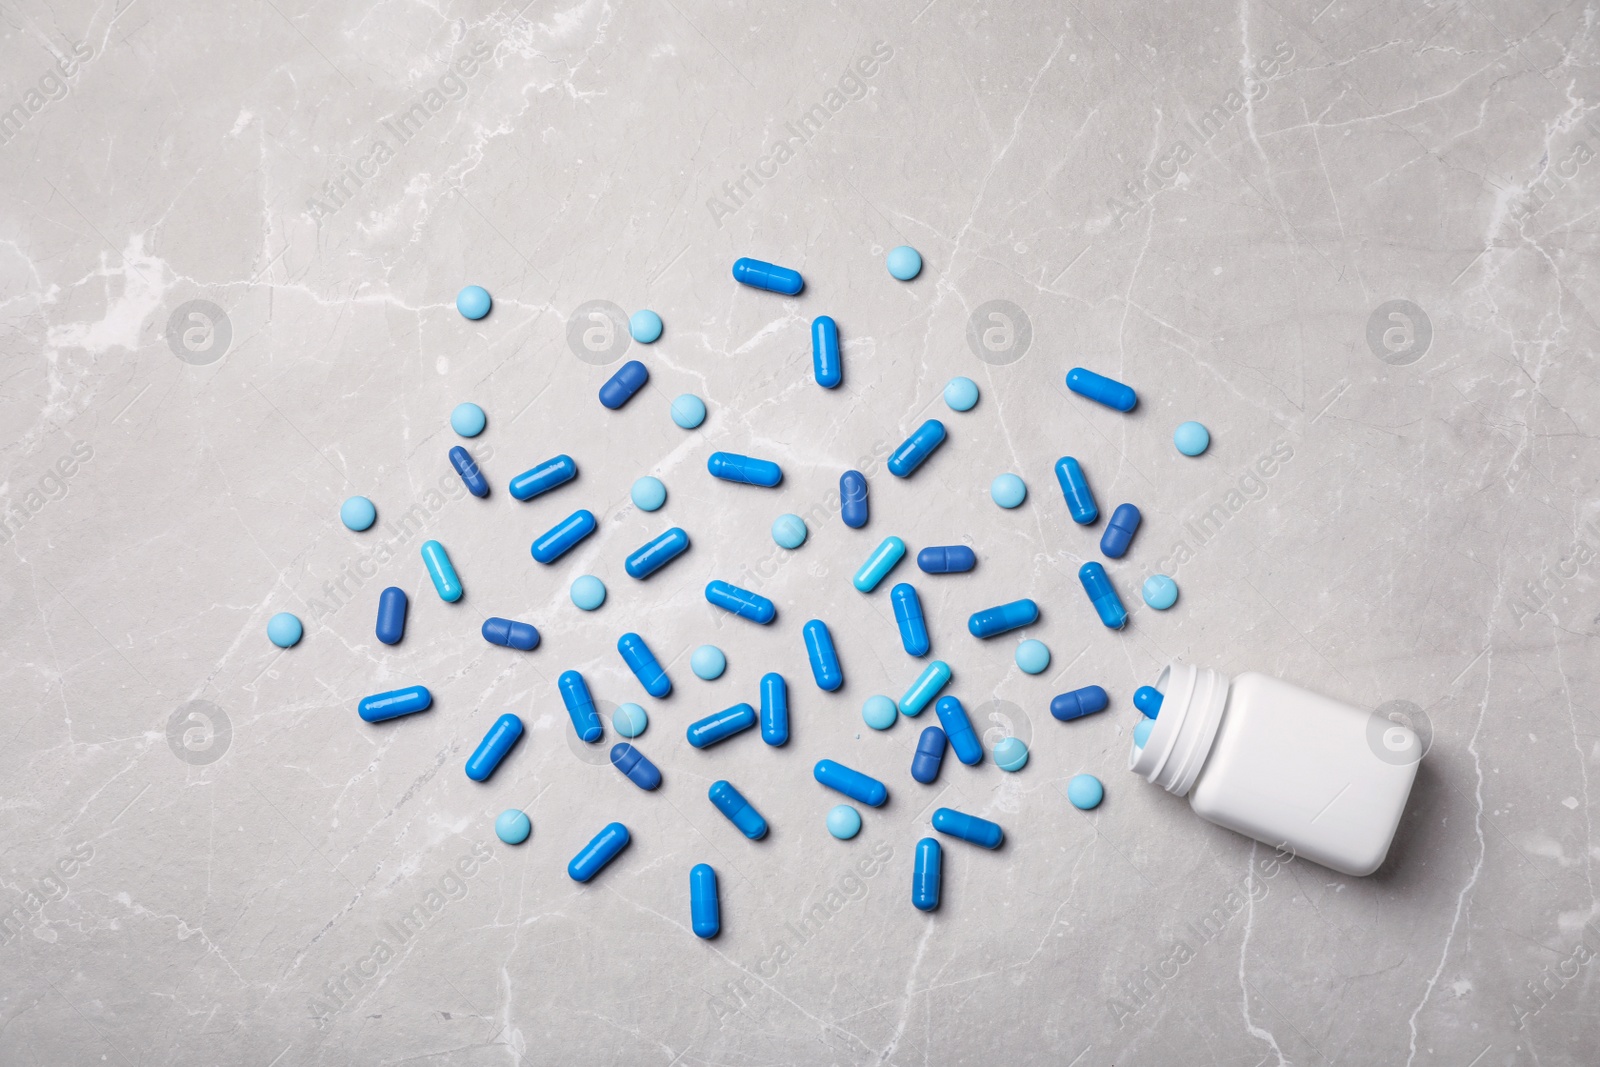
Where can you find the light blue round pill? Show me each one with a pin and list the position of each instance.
(708, 662)
(645, 326)
(1008, 491)
(512, 826)
(1160, 592)
(879, 712)
(1141, 733)
(648, 493)
(1191, 438)
(961, 394)
(468, 420)
(904, 262)
(630, 720)
(688, 411)
(789, 531)
(473, 301)
(284, 630)
(588, 592)
(1085, 792)
(358, 514)
(844, 822)
(1010, 754)
(1033, 657)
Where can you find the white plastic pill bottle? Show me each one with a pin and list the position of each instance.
(1283, 765)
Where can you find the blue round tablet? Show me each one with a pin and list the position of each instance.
(789, 531)
(630, 720)
(1033, 657)
(844, 822)
(1085, 792)
(473, 301)
(358, 514)
(512, 826)
(1160, 592)
(468, 420)
(644, 326)
(688, 411)
(1191, 438)
(708, 662)
(961, 394)
(1010, 754)
(904, 262)
(879, 712)
(1008, 491)
(284, 630)
(1141, 733)
(588, 592)
(648, 493)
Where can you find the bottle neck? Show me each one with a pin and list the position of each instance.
(1192, 703)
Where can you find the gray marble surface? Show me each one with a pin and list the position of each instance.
(1354, 237)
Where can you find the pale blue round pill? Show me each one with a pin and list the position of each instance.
(588, 592)
(961, 394)
(630, 720)
(473, 301)
(358, 514)
(1008, 491)
(648, 493)
(512, 826)
(1191, 438)
(879, 712)
(644, 326)
(1010, 754)
(1085, 792)
(1141, 733)
(468, 420)
(708, 662)
(1160, 592)
(844, 822)
(284, 630)
(904, 262)
(688, 411)
(789, 531)
(1033, 657)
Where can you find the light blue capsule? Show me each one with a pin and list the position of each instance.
(560, 538)
(968, 827)
(824, 658)
(852, 783)
(741, 602)
(825, 363)
(580, 707)
(890, 551)
(958, 728)
(441, 572)
(1141, 732)
(1108, 391)
(705, 909)
(934, 677)
(598, 852)
(1103, 595)
(732, 467)
(494, 747)
(1005, 617)
(927, 875)
(543, 477)
(774, 709)
(739, 811)
(721, 725)
(911, 454)
(653, 555)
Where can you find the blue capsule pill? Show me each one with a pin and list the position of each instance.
(968, 827)
(739, 811)
(853, 499)
(510, 634)
(926, 875)
(653, 555)
(635, 766)
(559, 539)
(998, 620)
(774, 709)
(844, 822)
(1103, 595)
(1119, 531)
(721, 725)
(441, 571)
(929, 757)
(1102, 390)
(494, 747)
(853, 784)
(467, 467)
(644, 665)
(1075, 489)
(916, 448)
(824, 659)
(392, 604)
(958, 728)
(934, 677)
(1079, 702)
(947, 559)
(705, 910)
(768, 276)
(908, 616)
(544, 477)
(1148, 699)
(890, 551)
(395, 703)
(825, 362)
(598, 852)
(621, 386)
(732, 467)
(1141, 733)
(741, 602)
(580, 707)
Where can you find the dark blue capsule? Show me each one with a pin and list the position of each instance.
(598, 852)
(927, 875)
(1079, 702)
(644, 665)
(908, 616)
(1148, 699)
(653, 555)
(467, 467)
(721, 725)
(494, 747)
(768, 276)
(621, 386)
(635, 766)
(741, 602)
(1075, 489)
(392, 605)
(1119, 531)
(947, 559)
(705, 910)
(824, 658)
(544, 477)
(559, 539)
(929, 757)
(853, 499)
(580, 706)
(774, 709)
(904, 460)
(825, 362)
(509, 634)
(958, 728)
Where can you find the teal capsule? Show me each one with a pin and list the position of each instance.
(445, 582)
(883, 559)
(934, 677)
